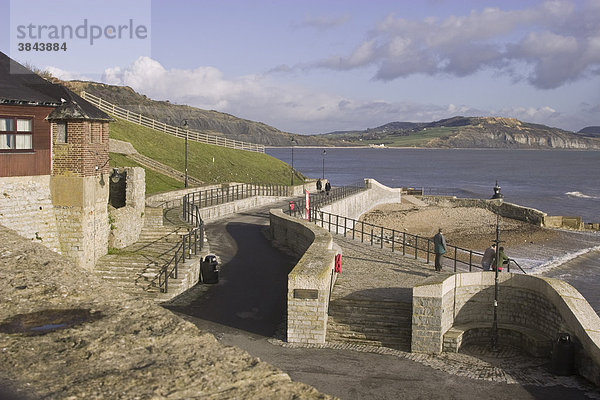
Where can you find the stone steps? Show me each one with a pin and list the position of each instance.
(370, 322)
(164, 169)
(134, 269)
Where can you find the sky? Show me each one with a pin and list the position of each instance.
(316, 66)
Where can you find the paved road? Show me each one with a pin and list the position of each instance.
(245, 309)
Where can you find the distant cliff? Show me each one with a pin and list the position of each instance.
(471, 132)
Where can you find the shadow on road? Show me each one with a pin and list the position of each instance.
(252, 289)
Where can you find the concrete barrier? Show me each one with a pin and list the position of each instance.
(311, 280)
(544, 306)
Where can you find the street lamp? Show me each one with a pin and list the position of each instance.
(497, 196)
(293, 141)
(324, 152)
(185, 126)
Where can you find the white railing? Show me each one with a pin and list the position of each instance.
(172, 130)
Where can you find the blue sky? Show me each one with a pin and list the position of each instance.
(319, 66)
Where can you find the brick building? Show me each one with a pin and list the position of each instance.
(53, 164)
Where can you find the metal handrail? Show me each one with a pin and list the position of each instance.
(412, 245)
(191, 243)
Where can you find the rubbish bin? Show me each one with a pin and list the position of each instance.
(290, 206)
(209, 269)
(563, 355)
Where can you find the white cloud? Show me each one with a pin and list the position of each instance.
(558, 41)
(65, 75)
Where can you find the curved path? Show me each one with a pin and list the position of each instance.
(247, 306)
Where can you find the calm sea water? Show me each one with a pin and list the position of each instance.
(556, 182)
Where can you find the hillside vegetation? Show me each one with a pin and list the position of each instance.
(209, 163)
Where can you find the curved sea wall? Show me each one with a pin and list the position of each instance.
(535, 308)
(356, 205)
(311, 280)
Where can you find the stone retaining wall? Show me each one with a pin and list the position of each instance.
(26, 207)
(546, 305)
(312, 278)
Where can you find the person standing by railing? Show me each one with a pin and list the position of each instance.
(488, 257)
(439, 247)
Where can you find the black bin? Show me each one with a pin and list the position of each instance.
(209, 269)
(563, 355)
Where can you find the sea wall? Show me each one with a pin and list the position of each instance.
(504, 209)
(311, 280)
(357, 204)
(543, 306)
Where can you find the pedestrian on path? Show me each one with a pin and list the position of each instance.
(319, 185)
(488, 257)
(327, 187)
(502, 259)
(439, 247)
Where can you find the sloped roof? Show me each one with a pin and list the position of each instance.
(18, 85)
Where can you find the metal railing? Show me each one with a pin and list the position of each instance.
(216, 196)
(318, 200)
(397, 241)
(191, 243)
(172, 130)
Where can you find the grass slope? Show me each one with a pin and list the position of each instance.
(155, 181)
(209, 163)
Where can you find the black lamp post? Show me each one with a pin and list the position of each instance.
(293, 141)
(324, 152)
(498, 196)
(185, 126)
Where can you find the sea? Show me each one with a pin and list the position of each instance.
(557, 182)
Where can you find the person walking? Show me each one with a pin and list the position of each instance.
(327, 187)
(439, 247)
(488, 257)
(501, 259)
(319, 185)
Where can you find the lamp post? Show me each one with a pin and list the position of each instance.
(498, 196)
(185, 126)
(293, 141)
(324, 152)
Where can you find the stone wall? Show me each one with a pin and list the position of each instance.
(504, 209)
(312, 278)
(356, 205)
(26, 207)
(544, 305)
(81, 217)
(126, 222)
(560, 221)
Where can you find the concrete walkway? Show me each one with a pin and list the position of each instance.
(245, 309)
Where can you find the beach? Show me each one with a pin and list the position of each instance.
(473, 228)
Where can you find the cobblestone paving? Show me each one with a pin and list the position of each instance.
(382, 275)
(504, 365)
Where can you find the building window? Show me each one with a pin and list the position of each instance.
(16, 133)
(61, 132)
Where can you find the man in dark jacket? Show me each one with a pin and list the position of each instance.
(439, 247)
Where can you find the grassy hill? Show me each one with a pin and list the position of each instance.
(211, 164)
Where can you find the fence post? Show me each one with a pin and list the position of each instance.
(428, 249)
(381, 238)
(471, 260)
(416, 246)
(455, 259)
(403, 243)
(371, 235)
(393, 239)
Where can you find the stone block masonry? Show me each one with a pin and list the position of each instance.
(534, 306)
(312, 278)
(26, 207)
(126, 222)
